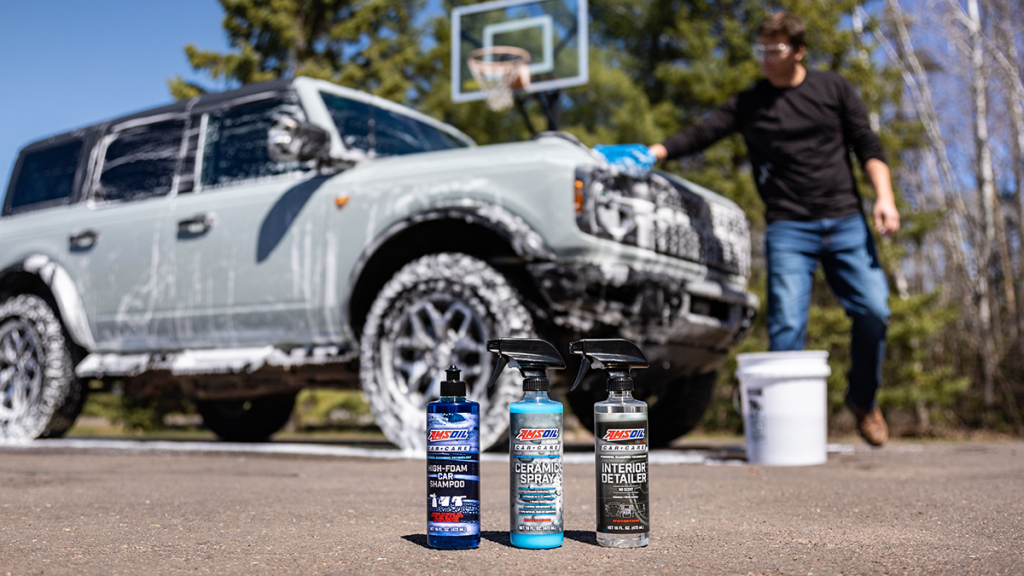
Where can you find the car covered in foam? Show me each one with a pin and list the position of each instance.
(238, 247)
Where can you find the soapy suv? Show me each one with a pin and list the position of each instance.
(240, 246)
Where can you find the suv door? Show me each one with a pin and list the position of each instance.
(118, 250)
(248, 246)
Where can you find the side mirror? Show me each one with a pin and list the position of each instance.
(291, 140)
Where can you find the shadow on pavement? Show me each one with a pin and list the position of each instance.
(417, 539)
(498, 537)
(584, 536)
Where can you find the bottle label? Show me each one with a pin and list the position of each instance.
(622, 497)
(453, 474)
(536, 473)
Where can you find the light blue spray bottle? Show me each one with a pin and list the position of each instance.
(535, 444)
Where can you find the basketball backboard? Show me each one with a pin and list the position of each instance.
(554, 32)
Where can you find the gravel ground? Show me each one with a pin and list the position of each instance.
(915, 508)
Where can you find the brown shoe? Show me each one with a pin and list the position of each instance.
(871, 426)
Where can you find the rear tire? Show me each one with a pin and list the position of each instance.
(252, 420)
(40, 396)
(678, 404)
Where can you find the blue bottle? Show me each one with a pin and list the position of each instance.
(453, 468)
(535, 445)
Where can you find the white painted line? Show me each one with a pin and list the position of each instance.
(657, 457)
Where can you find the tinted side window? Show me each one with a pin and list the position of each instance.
(236, 143)
(141, 161)
(46, 175)
(352, 119)
(396, 134)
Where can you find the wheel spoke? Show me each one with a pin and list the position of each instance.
(7, 349)
(22, 343)
(21, 371)
(420, 334)
(414, 372)
(433, 391)
(468, 345)
(473, 370)
(437, 321)
(467, 322)
(413, 344)
(17, 395)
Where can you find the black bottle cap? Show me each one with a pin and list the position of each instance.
(536, 385)
(619, 384)
(453, 386)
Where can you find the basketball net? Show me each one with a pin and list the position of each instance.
(499, 70)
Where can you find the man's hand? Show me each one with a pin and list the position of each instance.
(887, 217)
(659, 151)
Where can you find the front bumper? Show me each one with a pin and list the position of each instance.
(648, 306)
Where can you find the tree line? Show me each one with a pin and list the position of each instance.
(943, 81)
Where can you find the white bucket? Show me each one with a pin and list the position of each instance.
(784, 406)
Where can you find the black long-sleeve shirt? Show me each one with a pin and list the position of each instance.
(799, 142)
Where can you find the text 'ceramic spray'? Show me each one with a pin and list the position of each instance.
(535, 444)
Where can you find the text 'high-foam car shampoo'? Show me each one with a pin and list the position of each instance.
(453, 468)
(535, 444)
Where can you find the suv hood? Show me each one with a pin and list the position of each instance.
(495, 157)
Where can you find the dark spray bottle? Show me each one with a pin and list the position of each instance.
(453, 468)
(535, 444)
(620, 438)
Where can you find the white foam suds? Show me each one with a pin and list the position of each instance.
(657, 457)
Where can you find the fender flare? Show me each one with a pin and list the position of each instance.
(65, 294)
(524, 240)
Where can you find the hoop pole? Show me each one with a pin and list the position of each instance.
(550, 104)
(521, 106)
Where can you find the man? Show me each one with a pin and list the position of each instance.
(799, 126)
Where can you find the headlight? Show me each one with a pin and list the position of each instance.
(661, 213)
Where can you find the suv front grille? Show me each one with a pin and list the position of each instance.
(664, 215)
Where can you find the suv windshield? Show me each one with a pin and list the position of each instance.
(386, 133)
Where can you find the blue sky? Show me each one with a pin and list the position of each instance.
(68, 64)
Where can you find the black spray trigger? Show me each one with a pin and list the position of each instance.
(584, 368)
(502, 362)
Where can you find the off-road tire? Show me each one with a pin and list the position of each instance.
(253, 420)
(678, 406)
(446, 287)
(40, 396)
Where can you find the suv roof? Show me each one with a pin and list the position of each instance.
(213, 99)
(204, 100)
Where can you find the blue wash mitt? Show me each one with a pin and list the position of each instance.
(632, 159)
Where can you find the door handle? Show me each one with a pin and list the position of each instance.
(83, 240)
(195, 226)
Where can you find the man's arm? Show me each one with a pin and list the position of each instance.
(887, 217)
(868, 149)
(721, 123)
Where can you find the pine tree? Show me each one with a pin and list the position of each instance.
(655, 66)
(371, 45)
(689, 58)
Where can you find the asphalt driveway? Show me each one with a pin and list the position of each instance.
(911, 508)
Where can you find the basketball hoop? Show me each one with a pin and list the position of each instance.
(499, 70)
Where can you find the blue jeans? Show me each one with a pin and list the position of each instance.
(846, 250)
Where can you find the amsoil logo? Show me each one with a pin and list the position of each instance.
(624, 434)
(537, 433)
(439, 435)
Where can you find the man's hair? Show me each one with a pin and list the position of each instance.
(784, 24)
